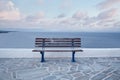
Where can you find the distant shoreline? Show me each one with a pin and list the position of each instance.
(6, 31)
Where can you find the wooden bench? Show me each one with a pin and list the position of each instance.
(56, 45)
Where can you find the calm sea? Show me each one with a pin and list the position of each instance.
(89, 39)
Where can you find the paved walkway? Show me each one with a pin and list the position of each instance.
(60, 69)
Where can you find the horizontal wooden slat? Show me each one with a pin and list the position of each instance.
(50, 45)
(57, 50)
(57, 46)
(58, 39)
(58, 42)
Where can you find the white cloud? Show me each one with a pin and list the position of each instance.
(108, 4)
(80, 21)
(61, 16)
(41, 2)
(80, 15)
(8, 11)
(117, 24)
(62, 24)
(66, 4)
(36, 18)
(103, 21)
(109, 14)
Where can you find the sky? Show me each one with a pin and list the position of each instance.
(60, 15)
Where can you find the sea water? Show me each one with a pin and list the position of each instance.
(88, 39)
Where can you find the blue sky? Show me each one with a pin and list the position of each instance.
(61, 15)
(53, 8)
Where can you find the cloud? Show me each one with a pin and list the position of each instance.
(117, 24)
(35, 18)
(79, 21)
(79, 15)
(108, 4)
(61, 16)
(8, 11)
(66, 4)
(103, 20)
(62, 24)
(41, 2)
(109, 14)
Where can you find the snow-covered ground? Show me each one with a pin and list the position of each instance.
(88, 52)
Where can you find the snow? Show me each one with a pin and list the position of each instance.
(87, 52)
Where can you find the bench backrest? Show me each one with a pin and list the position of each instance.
(58, 42)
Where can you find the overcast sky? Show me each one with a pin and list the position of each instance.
(61, 15)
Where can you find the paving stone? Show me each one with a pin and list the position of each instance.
(84, 68)
(31, 73)
(105, 59)
(93, 73)
(113, 77)
(106, 64)
(73, 68)
(64, 69)
(62, 64)
(71, 72)
(82, 78)
(116, 64)
(37, 76)
(97, 67)
(50, 78)
(53, 68)
(99, 76)
(67, 77)
(107, 71)
(59, 74)
(77, 74)
(38, 65)
(87, 60)
(63, 79)
(117, 71)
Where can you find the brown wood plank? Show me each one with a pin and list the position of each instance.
(57, 50)
(55, 46)
(58, 38)
(58, 46)
(56, 41)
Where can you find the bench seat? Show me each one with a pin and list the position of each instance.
(57, 50)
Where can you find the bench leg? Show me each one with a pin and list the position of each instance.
(73, 56)
(42, 56)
